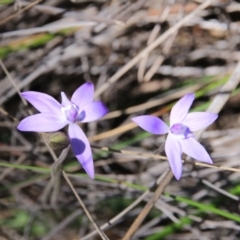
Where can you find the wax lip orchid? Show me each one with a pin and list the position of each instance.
(180, 133)
(53, 116)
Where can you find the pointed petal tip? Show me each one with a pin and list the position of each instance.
(65, 101)
(90, 174)
(195, 150)
(19, 127)
(192, 95)
(89, 168)
(177, 172)
(216, 116)
(210, 161)
(134, 119)
(23, 94)
(22, 127)
(28, 92)
(88, 84)
(177, 176)
(63, 94)
(205, 160)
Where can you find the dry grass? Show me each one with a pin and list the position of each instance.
(142, 56)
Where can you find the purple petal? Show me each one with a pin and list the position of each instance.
(83, 95)
(198, 120)
(65, 101)
(42, 102)
(151, 124)
(181, 108)
(174, 153)
(92, 111)
(81, 148)
(194, 149)
(42, 122)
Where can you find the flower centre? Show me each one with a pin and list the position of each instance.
(71, 112)
(180, 130)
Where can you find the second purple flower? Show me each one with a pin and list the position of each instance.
(53, 116)
(180, 133)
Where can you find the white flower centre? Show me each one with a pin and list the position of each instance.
(70, 112)
(180, 131)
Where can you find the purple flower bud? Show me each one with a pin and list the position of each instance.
(57, 140)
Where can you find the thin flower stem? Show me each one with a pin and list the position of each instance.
(55, 175)
(102, 235)
(126, 210)
(100, 232)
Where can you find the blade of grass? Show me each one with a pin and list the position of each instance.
(206, 208)
(170, 229)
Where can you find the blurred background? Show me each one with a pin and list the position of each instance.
(56, 45)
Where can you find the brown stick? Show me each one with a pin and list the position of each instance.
(138, 221)
(20, 11)
(150, 47)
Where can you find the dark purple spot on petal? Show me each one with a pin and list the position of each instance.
(81, 116)
(78, 146)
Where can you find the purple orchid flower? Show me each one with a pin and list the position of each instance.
(180, 137)
(53, 116)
